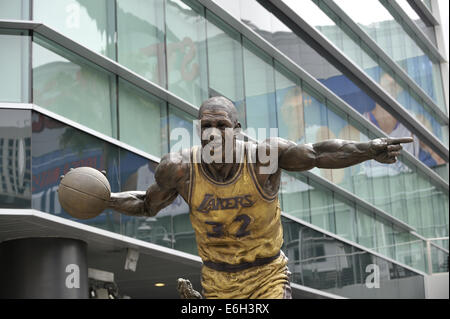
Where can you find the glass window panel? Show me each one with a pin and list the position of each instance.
(137, 173)
(56, 148)
(186, 50)
(339, 128)
(15, 158)
(412, 14)
(439, 260)
(295, 196)
(380, 179)
(361, 173)
(90, 23)
(184, 233)
(384, 238)
(14, 66)
(413, 198)
(183, 131)
(15, 10)
(397, 186)
(225, 62)
(393, 37)
(366, 230)
(259, 89)
(289, 94)
(345, 218)
(418, 254)
(316, 122)
(142, 119)
(402, 241)
(140, 38)
(69, 86)
(426, 206)
(322, 208)
(440, 212)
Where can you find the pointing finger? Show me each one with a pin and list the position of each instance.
(391, 141)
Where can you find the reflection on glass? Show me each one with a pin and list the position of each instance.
(289, 99)
(384, 238)
(344, 38)
(56, 148)
(345, 218)
(439, 260)
(412, 14)
(412, 198)
(15, 158)
(186, 50)
(69, 86)
(426, 206)
(339, 128)
(316, 123)
(14, 66)
(322, 208)
(140, 38)
(360, 174)
(259, 90)
(295, 196)
(225, 67)
(378, 21)
(15, 10)
(183, 131)
(440, 212)
(138, 173)
(366, 230)
(321, 262)
(142, 119)
(90, 23)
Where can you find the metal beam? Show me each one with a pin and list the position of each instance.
(424, 13)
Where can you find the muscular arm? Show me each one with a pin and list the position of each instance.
(169, 175)
(337, 153)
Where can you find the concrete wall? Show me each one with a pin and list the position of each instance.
(436, 286)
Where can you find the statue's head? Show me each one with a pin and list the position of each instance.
(218, 119)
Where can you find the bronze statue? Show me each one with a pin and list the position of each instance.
(234, 204)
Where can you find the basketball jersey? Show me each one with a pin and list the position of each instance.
(235, 222)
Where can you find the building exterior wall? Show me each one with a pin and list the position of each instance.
(81, 109)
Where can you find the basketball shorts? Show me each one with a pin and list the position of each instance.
(269, 281)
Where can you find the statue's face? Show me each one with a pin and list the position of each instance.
(216, 127)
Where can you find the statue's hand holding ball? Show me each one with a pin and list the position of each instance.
(84, 192)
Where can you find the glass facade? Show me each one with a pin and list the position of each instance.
(188, 50)
(394, 38)
(16, 10)
(70, 86)
(319, 15)
(140, 38)
(423, 26)
(90, 23)
(15, 159)
(14, 66)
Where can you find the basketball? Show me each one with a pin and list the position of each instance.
(83, 192)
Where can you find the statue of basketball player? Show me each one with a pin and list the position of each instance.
(235, 210)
